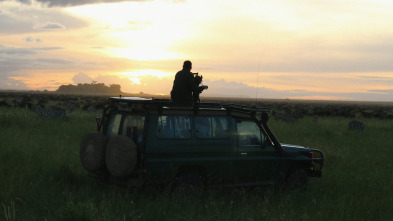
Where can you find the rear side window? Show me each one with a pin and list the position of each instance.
(211, 127)
(174, 127)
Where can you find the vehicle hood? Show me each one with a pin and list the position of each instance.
(294, 148)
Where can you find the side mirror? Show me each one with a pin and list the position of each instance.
(264, 117)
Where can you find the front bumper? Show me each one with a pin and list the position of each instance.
(317, 163)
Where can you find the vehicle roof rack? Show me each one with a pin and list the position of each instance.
(242, 107)
(161, 104)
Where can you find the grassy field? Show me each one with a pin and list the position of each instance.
(41, 177)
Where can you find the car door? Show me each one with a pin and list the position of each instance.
(205, 145)
(214, 140)
(256, 156)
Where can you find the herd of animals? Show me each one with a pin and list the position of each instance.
(52, 104)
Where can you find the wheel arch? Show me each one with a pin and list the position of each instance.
(296, 176)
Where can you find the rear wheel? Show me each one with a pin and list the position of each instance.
(121, 156)
(92, 151)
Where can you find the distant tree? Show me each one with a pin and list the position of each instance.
(92, 88)
(115, 87)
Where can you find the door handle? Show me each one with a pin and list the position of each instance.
(243, 154)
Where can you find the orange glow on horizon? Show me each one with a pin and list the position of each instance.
(327, 98)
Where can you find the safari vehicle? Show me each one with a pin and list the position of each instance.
(200, 144)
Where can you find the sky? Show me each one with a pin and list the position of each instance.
(281, 49)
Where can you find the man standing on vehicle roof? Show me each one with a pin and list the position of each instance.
(184, 85)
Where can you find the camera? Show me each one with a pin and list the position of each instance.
(198, 80)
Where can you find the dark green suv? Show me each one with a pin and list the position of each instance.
(200, 144)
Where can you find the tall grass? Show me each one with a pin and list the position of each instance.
(41, 177)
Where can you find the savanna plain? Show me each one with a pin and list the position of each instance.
(41, 177)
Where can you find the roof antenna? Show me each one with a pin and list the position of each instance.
(259, 68)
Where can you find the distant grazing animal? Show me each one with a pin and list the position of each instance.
(285, 117)
(92, 109)
(18, 104)
(355, 125)
(4, 104)
(34, 107)
(49, 112)
(71, 106)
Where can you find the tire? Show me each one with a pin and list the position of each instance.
(297, 179)
(121, 156)
(92, 151)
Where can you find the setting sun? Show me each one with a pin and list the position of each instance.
(140, 31)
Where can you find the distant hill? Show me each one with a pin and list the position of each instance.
(90, 89)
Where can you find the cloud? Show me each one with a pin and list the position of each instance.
(49, 26)
(64, 3)
(7, 83)
(234, 89)
(15, 51)
(24, 1)
(382, 91)
(47, 48)
(82, 78)
(16, 18)
(14, 60)
(374, 95)
(378, 79)
(24, 51)
(322, 57)
(30, 39)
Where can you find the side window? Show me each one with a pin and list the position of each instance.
(220, 127)
(165, 127)
(211, 127)
(248, 133)
(182, 126)
(113, 126)
(203, 127)
(174, 127)
(133, 127)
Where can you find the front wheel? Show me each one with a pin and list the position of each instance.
(296, 179)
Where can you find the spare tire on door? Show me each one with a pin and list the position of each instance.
(92, 151)
(121, 156)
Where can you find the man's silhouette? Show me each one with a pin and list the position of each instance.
(184, 85)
